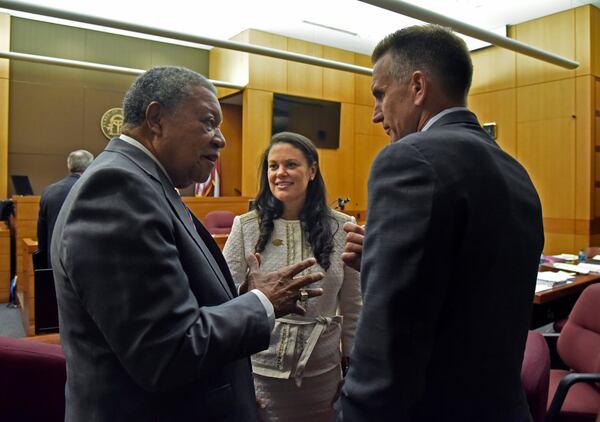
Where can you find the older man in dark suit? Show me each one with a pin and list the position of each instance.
(53, 197)
(150, 322)
(453, 239)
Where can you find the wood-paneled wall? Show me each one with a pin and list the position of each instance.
(4, 90)
(546, 118)
(230, 160)
(55, 109)
(4, 262)
(345, 169)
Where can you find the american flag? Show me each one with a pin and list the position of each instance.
(212, 186)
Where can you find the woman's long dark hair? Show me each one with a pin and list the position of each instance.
(315, 215)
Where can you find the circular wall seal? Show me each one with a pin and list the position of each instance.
(111, 122)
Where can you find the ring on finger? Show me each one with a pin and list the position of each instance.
(303, 295)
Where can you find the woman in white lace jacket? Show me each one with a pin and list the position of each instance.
(297, 376)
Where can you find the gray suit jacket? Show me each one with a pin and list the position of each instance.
(453, 240)
(150, 323)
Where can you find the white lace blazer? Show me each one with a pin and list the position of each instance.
(309, 345)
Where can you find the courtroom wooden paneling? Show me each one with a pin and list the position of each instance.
(304, 79)
(338, 85)
(308, 81)
(26, 215)
(366, 148)
(26, 285)
(583, 40)
(546, 101)
(595, 36)
(555, 243)
(362, 83)
(228, 65)
(584, 147)
(4, 144)
(555, 33)
(499, 107)
(597, 95)
(27, 111)
(494, 68)
(231, 156)
(546, 148)
(256, 135)
(4, 262)
(337, 163)
(554, 125)
(56, 109)
(267, 73)
(4, 43)
(4, 90)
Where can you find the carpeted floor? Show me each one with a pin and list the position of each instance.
(10, 322)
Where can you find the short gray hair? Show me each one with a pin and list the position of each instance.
(431, 48)
(79, 160)
(168, 85)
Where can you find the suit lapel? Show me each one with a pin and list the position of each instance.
(185, 217)
(215, 251)
(177, 206)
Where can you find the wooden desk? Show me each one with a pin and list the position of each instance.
(26, 285)
(574, 288)
(556, 303)
(220, 239)
(4, 262)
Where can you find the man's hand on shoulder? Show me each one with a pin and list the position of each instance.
(353, 248)
(281, 287)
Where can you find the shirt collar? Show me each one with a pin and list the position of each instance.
(441, 114)
(146, 151)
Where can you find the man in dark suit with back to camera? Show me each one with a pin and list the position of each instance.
(452, 245)
(53, 197)
(150, 322)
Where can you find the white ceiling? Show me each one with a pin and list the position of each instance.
(364, 24)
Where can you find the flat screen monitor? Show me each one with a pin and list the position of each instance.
(21, 185)
(318, 120)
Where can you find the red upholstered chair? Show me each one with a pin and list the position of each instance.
(32, 381)
(219, 222)
(535, 374)
(575, 394)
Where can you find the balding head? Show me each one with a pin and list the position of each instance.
(79, 160)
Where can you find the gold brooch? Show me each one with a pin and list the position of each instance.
(277, 242)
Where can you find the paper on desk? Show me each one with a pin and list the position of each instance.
(549, 279)
(551, 276)
(593, 268)
(570, 267)
(566, 256)
(596, 258)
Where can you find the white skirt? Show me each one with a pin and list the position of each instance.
(311, 402)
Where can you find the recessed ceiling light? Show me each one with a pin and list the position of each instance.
(320, 25)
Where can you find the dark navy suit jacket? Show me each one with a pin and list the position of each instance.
(453, 239)
(50, 203)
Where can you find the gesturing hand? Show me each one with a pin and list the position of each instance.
(280, 287)
(353, 247)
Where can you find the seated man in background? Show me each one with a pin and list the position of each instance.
(150, 321)
(52, 199)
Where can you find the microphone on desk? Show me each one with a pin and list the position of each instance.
(341, 203)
